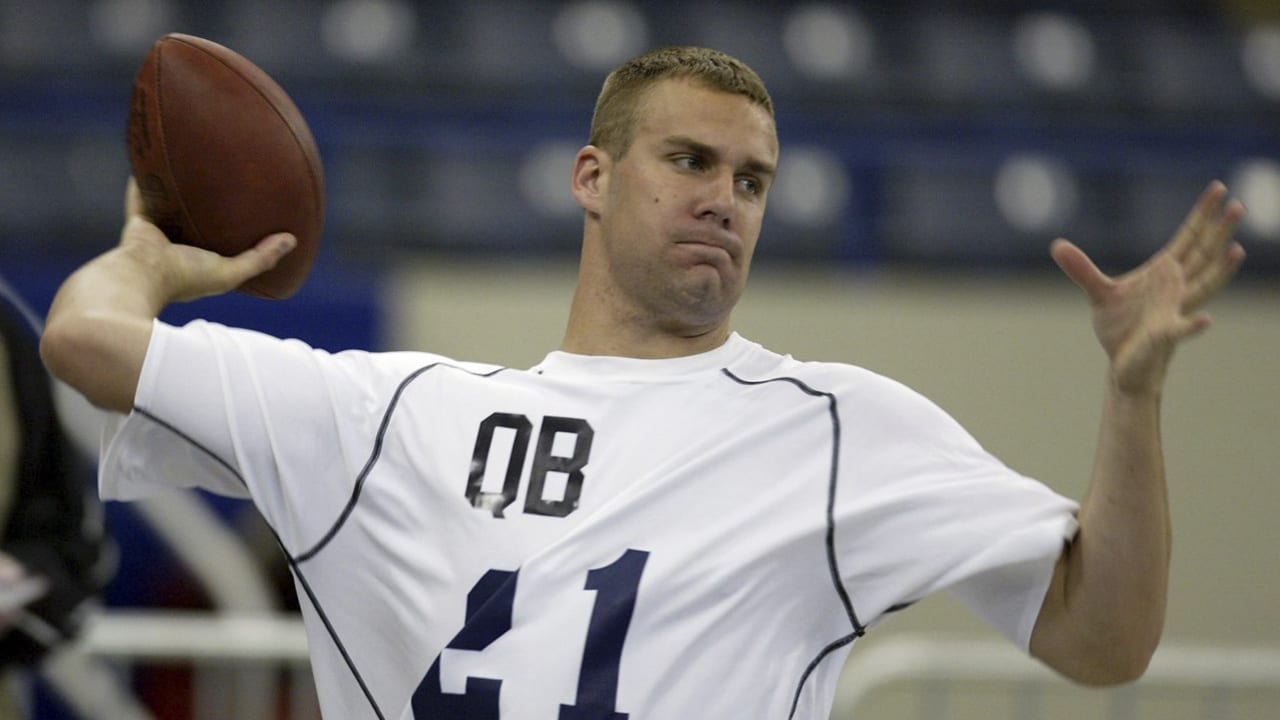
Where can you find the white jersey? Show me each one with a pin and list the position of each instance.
(593, 538)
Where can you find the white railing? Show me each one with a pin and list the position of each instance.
(934, 670)
(238, 644)
(931, 670)
(236, 584)
(196, 637)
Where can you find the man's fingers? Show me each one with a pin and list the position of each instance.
(1192, 229)
(277, 245)
(1204, 285)
(199, 273)
(138, 228)
(264, 256)
(132, 199)
(1078, 267)
(1208, 252)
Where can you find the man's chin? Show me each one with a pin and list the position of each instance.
(708, 297)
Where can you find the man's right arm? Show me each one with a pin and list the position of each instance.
(99, 325)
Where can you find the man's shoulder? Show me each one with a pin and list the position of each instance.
(846, 383)
(760, 362)
(423, 361)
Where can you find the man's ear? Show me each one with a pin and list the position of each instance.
(590, 177)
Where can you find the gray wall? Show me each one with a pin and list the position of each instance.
(1014, 360)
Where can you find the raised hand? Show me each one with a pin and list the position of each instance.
(1141, 316)
(99, 325)
(185, 273)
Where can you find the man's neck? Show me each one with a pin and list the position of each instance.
(588, 333)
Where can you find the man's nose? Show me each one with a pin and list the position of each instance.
(718, 201)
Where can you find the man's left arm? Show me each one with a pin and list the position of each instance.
(1104, 612)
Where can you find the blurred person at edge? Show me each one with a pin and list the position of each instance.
(54, 558)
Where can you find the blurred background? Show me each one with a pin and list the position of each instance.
(931, 150)
(948, 134)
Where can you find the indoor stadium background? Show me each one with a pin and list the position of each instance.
(931, 150)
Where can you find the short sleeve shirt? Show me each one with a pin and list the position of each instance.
(593, 537)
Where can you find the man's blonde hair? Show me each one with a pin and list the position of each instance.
(618, 108)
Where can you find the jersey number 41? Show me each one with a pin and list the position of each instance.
(489, 610)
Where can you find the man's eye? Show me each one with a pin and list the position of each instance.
(689, 162)
(749, 185)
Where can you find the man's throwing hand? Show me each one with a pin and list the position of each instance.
(183, 272)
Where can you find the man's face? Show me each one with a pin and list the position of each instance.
(681, 210)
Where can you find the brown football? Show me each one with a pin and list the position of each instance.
(223, 157)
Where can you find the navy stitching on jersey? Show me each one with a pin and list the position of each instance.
(817, 660)
(377, 453)
(899, 607)
(328, 626)
(346, 512)
(191, 441)
(832, 564)
(302, 580)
